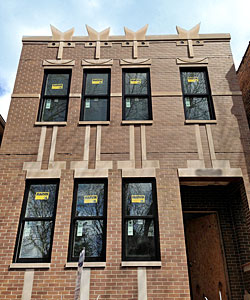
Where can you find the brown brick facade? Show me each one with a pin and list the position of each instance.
(170, 141)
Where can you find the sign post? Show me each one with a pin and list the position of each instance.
(79, 274)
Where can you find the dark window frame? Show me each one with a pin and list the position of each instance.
(148, 96)
(44, 97)
(107, 96)
(207, 95)
(24, 219)
(75, 218)
(154, 217)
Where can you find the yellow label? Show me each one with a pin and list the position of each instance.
(135, 81)
(97, 81)
(193, 79)
(90, 199)
(57, 86)
(138, 198)
(42, 196)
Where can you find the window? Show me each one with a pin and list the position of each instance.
(136, 95)
(95, 104)
(89, 218)
(55, 95)
(196, 95)
(36, 227)
(140, 221)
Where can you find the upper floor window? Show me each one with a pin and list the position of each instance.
(55, 95)
(89, 219)
(196, 95)
(136, 95)
(36, 227)
(96, 96)
(140, 220)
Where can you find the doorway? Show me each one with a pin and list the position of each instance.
(206, 262)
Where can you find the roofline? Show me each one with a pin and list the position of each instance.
(171, 37)
(243, 58)
(2, 121)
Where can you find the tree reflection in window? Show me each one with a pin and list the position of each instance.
(88, 228)
(37, 222)
(197, 99)
(140, 221)
(137, 100)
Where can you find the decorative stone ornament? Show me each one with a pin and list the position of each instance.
(139, 35)
(98, 37)
(189, 35)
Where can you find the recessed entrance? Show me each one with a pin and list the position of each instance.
(207, 275)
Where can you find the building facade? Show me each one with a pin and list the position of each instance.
(243, 73)
(133, 147)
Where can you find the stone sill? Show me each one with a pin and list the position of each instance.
(200, 122)
(29, 266)
(86, 265)
(50, 123)
(93, 122)
(141, 263)
(137, 122)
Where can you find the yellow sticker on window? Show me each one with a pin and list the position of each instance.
(138, 198)
(97, 81)
(42, 196)
(193, 79)
(57, 86)
(90, 199)
(135, 81)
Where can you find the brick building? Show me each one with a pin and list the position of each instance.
(134, 147)
(243, 73)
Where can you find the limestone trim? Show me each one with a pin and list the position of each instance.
(115, 94)
(142, 283)
(166, 94)
(131, 173)
(141, 264)
(209, 172)
(192, 122)
(185, 60)
(51, 173)
(93, 122)
(41, 144)
(120, 38)
(135, 37)
(85, 265)
(132, 142)
(198, 142)
(86, 144)
(210, 142)
(50, 123)
(75, 95)
(53, 144)
(98, 143)
(138, 61)
(143, 143)
(227, 93)
(59, 63)
(25, 96)
(28, 284)
(91, 173)
(97, 62)
(60, 36)
(29, 266)
(137, 122)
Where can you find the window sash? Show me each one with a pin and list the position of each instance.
(75, 219)
(23, 220)
(46, 96)
(153, 217)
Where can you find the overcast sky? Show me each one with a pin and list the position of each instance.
(27, 17)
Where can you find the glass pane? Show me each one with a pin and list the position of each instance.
(95, 109)
(194, 82)
(138, 199)
(139, 240)
(88, 234)
(54, 110)
(90, 199)
(57, 84)
(136, 84)
(96, 84)
(136, 109)
(197, 108)
(41, 200)
(36, 239)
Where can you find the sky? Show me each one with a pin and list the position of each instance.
(27, 17)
